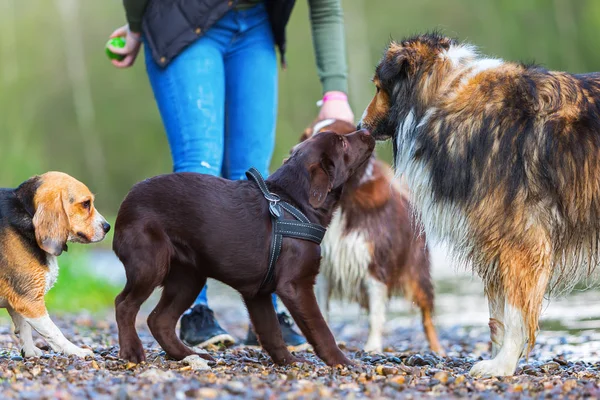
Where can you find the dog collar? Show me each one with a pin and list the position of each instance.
(302, 228)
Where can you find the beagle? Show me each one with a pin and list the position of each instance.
(37, 219)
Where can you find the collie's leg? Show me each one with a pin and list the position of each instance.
(505, 361)
(495, 296)
(378, 297)
(524, 274)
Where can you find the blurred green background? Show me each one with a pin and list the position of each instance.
(64, 107)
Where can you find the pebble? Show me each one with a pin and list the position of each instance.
(550, 367)
(441, 376)
(195, 362)
(416, 360)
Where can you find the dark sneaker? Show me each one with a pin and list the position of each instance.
(251, 339)
(294, 340)
(200, 328)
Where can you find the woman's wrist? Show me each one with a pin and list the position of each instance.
(137, 36)
(332, 95)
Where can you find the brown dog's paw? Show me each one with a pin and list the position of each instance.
(134, 355)
(341, 360)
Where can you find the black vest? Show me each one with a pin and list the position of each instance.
(169, 26)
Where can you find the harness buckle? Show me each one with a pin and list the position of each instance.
(272, 197)
(274, 208)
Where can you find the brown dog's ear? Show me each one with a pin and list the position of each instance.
(51, 224)
(320, 185)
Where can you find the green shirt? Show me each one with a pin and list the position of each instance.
(327, 23)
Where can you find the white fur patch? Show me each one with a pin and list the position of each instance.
(505, 362)
(404, 142)
(345, 258)
(52, 273)
(378, 298)
(57, 341)
(465, 56)
(459, 53)
(439, 219)
(485, 64)
(322, 124)
(99, 233)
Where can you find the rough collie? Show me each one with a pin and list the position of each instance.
(370, 251)
(503, 161)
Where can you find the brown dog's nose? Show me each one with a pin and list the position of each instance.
(364, 134)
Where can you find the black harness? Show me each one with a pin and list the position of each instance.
(301, 228)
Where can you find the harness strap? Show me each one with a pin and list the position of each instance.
(302, 228)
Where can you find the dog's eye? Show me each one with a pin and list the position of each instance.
(378, 89)
(86, 204)
(344, 144)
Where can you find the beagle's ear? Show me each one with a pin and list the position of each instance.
(51, 224)
(320, 185)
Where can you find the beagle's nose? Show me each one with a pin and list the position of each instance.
(105, 227)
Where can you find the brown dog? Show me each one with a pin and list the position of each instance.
(179, 229)
(371, 250)
(37, 219)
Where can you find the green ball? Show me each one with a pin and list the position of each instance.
(118, 42)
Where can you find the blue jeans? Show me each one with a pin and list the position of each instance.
(218, 99)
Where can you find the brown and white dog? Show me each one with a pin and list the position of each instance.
(503, 161)
(37, 219)
(371, 251)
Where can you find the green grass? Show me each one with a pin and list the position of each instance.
(77, 288)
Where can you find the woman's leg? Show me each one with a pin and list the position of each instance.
(190, 94)
(251, 108)
(251, 98)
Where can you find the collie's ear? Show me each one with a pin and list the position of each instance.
(51, 224)
(320, 185)
(397, 60)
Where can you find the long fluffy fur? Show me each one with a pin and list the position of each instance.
(503, 161)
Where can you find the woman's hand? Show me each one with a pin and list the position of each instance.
(335, 105)
(133, 42)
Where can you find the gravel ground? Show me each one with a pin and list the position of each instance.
(404, 371)
(564, 363)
